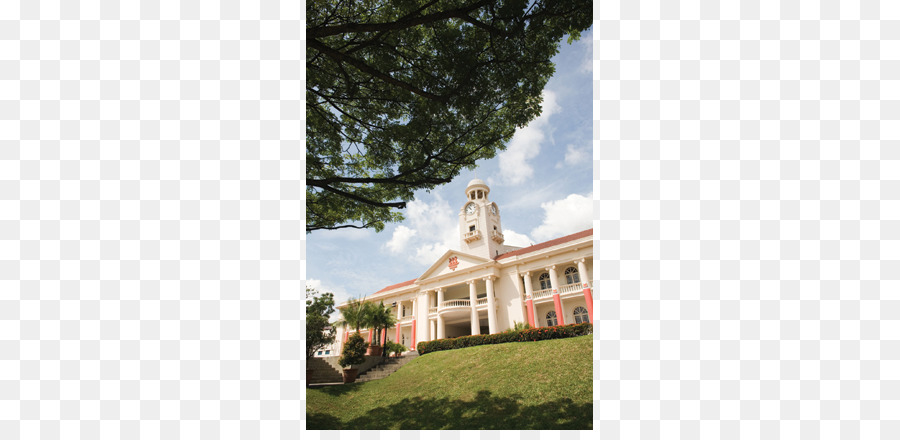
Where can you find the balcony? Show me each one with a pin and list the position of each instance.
(481, 302)
(570, 288)
(543, 293)
(497, 236)
(453, 303)
(472, 236)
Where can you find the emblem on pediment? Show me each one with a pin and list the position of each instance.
(453, 263)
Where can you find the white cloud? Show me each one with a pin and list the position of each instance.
(586, 43)
(565, 216)
(340, 295)
(513, 238)
(430, 229)
(526, 144)
(400, 239)
(575, 156)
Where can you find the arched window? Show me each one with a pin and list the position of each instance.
(581, 315)
(551, 318)
(572, 275)
(545, 281)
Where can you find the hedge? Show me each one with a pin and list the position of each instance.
(532, 334)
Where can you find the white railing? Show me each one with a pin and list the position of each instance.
(497, 236)
(542, 293)
(455, 303)
(407, 318)
(569, 288)
(432, 310)
(472, 235)
(481, 302)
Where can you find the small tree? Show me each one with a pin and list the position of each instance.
(380, 317)
(354, 314)
(354, 352)
(319, 333)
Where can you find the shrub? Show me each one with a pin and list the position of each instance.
(394, 347)
(354, 352)
(527, 334)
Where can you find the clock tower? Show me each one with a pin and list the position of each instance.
(479, 223)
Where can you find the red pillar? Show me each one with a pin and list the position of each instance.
(383, 335)
(589, 300)
(529, 309)
(557, 304)
(414, 335)
(397, 338)
(370, 336)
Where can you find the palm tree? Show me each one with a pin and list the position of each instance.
(381, 317)
(355, 314)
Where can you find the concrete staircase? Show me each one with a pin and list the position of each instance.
(387, 367)
(324, 372)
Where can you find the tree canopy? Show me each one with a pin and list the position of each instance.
(403, 94)
(319, 333)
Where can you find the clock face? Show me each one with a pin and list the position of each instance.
(470, 208)
(494, 209)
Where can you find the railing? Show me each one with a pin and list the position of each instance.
(455, 303)
(432, 310)
(569, 288)
(497, 236)
(542, 293)
(472, 236)
(481, 302)
(407, 318)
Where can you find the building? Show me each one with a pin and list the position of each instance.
(487, 286)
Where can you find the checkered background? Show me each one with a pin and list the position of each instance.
(746, 160)
(747, 219)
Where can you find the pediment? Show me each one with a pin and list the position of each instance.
(447, 265)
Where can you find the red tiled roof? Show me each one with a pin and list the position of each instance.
(546, 244)
(396, 286)
(526, 250)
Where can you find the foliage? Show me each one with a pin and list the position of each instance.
(505, 386)
(519, 326)
(394, 347)
(379, 317)
(319, 333)
(354, 352)
(403, 94)
(535, 334)
(354, 314)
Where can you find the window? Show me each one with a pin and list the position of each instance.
(471, 228)
(551, 318)
(327, 351)
(581, 315)
(545, 281)
(402, 339)
(319, 353)
(572, 276)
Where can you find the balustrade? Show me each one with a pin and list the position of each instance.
(455, 303)
(543, 293)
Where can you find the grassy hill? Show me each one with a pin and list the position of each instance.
(521, 385)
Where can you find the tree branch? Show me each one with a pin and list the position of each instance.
(402, 23)
(340, 57)
(349, 195)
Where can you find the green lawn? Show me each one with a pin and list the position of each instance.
(520, 385)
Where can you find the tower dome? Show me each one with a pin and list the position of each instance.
(477, 189)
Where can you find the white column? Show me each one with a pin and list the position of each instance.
(557, 302)
(529, 293)
(473, 315)
(440, 319)
(492, 312)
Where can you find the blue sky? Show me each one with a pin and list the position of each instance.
(542, 183)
